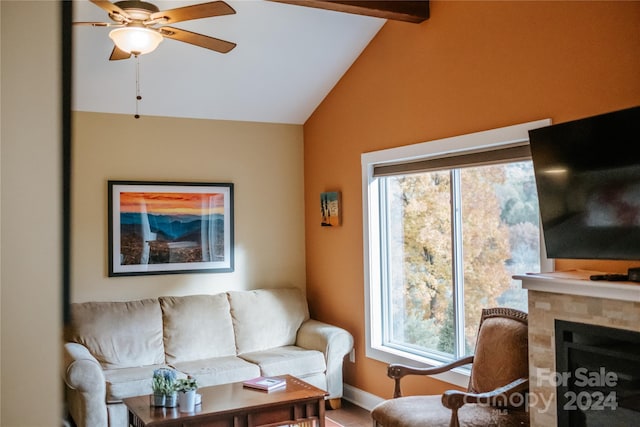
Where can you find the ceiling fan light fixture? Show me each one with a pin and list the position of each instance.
(136, 40)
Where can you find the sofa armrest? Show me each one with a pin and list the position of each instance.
(86, 386)
(334, 342)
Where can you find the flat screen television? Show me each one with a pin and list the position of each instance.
(587, 175)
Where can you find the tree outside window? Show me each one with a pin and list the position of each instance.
(481, 221)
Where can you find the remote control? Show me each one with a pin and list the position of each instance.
(610, 277)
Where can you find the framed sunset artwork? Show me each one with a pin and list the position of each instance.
(170, 227)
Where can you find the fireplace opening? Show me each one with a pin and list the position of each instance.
(597, 375)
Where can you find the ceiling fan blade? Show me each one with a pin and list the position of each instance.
(117, 54)
(196, 39)
(196, 11)
(113, 10)
(98, 24)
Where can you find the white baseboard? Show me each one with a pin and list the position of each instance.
(361, 398)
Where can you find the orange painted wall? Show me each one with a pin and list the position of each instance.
(472, 66)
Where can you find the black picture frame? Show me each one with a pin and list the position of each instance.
(170, 228)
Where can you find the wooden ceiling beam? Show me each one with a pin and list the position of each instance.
(399, 10)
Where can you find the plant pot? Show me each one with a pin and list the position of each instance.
(171, 400)
(158, 399)
(187, 400)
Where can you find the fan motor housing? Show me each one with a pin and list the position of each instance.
(138, 10)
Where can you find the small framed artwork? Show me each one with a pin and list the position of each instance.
(330, 208)
(170, 227)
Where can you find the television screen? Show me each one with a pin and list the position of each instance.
(587, 175)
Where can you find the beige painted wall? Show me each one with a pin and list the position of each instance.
(30, 274)
(263, 161)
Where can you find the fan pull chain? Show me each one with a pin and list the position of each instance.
(138, 97)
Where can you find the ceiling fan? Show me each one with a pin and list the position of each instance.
(140, 26)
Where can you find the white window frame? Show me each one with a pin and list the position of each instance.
(485, 140)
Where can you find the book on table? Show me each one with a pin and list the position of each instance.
(265, 383)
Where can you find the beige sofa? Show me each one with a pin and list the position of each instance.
(112, 348)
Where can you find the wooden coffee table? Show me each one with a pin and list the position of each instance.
(232, 405)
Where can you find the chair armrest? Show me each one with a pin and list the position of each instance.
(397, 371)
(499, 397)
(334, 343)
(454, 399)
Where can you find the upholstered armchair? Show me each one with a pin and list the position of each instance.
(497, 388)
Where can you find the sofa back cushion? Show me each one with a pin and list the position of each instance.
(119, 334)
(267, 318)
(197, 327)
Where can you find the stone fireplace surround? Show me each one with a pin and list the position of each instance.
(570, 296)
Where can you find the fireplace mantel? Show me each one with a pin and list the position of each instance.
(577, 282)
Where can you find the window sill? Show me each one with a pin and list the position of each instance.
(458, 377)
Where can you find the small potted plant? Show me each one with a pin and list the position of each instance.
(163, 386)
(171, 395)
(158, 385)
(186, 388)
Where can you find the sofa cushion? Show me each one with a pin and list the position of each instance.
(219, 370)
(197, 327)
(129, 382)
(267, 318)
(290, 360)
(119, 334)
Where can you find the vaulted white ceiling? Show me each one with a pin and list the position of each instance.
(287, 59)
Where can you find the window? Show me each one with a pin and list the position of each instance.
(447, 225)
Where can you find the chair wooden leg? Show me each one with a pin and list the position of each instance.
(454, 422)
(334, 403)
